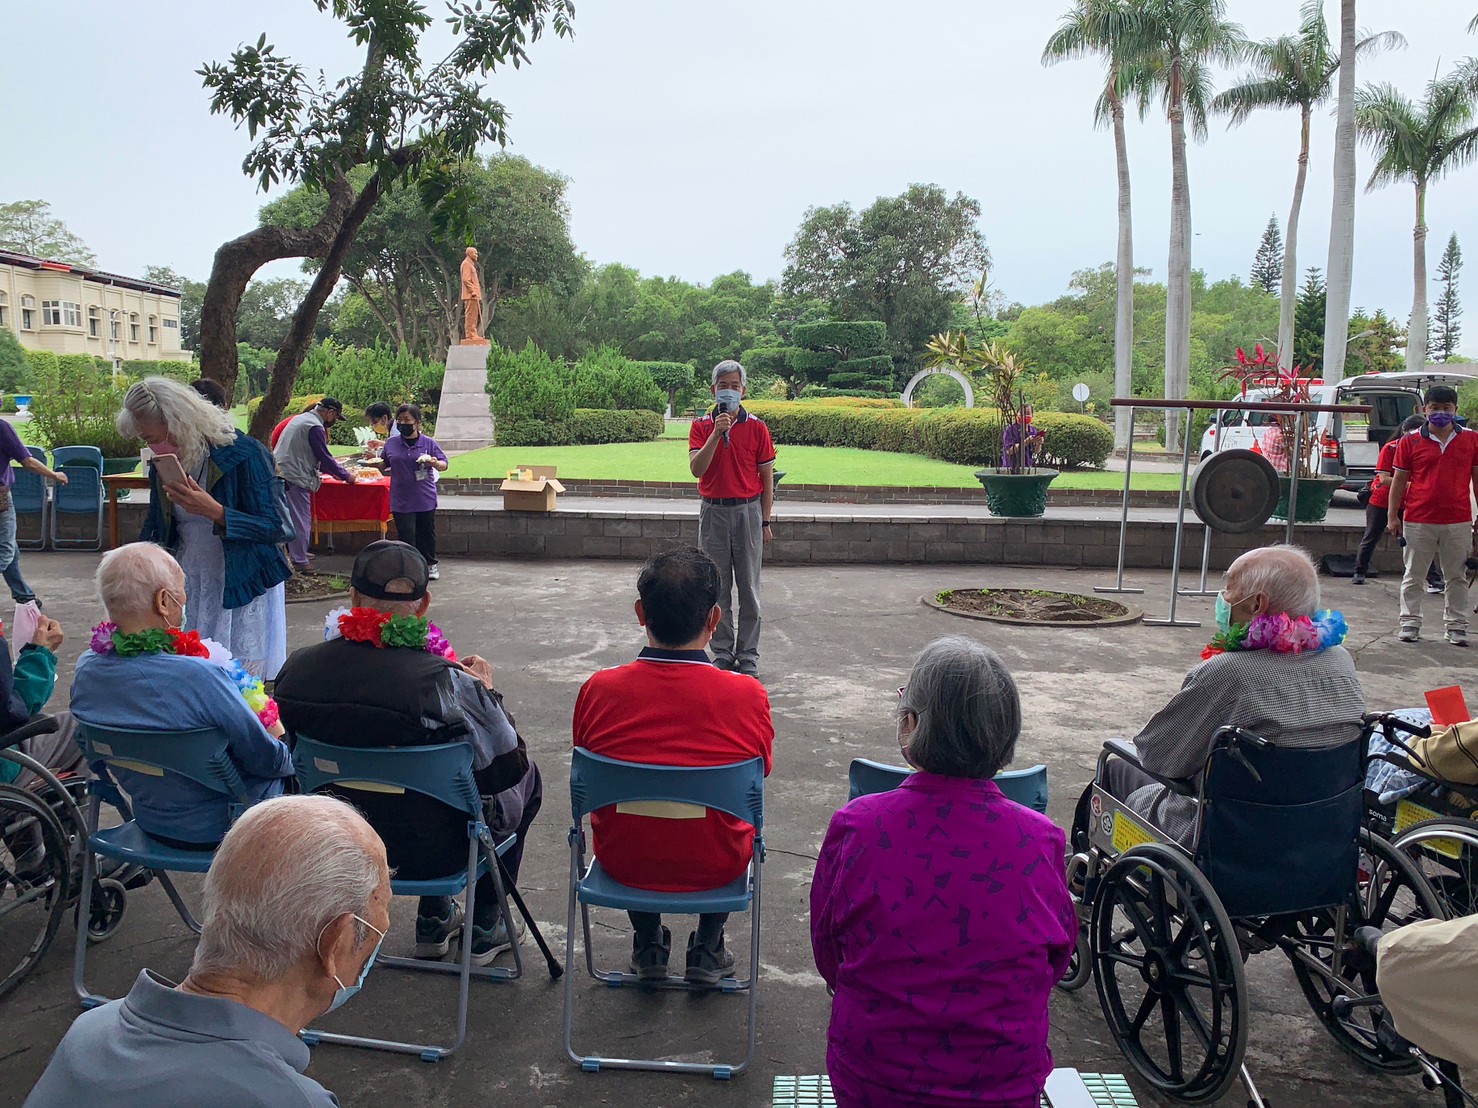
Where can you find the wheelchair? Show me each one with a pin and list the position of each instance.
(42, 839)
(1433, 820)
(1281, 860)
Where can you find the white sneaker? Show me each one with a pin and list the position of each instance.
(1457, 638)
(433, 573)
(1411, 634)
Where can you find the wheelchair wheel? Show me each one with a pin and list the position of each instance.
(1080, 968)
(1446, 851)
(1391, 894)
(109, 902)
(1169, 973)
(35, 883)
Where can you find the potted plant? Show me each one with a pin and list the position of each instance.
(1289, 440)
(1014, 485)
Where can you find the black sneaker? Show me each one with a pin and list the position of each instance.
(649, 960)
(434, 934)
(707, 966)
(1358, 579)
(723, 661)
(749, 668)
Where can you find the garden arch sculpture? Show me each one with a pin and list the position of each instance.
(955, 373)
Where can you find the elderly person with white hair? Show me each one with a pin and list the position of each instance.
(297, 901)
(940, 915)
(1275, 668)
(221, 521)
(142, 673)
(731, 453)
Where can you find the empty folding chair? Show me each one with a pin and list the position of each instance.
(81, 496)
(1028, 787)
(599, 782)
(443, 773)
(201, 756)
(29, 495)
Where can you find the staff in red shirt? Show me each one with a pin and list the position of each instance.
(1377, 508)
(1432, 508)
(673, 707)
(732, 455)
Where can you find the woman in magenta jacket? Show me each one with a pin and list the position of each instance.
(940, 915)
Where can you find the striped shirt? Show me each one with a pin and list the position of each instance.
(1307, 701)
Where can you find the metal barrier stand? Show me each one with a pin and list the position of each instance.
(1118, 585)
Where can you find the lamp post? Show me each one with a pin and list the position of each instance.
(113, 314)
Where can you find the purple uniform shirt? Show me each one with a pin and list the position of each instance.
(941, 917)
(1012, 435)
(11, 449)
(412, 485)
(318, 440)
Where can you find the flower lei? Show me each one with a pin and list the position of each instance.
(107, 639)
(1282, 634)
(381, 629)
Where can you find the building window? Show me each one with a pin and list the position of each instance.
(171, 324)
(94, 321)
(28, 313)
(133, 326)
(153, 330)
(4, 309)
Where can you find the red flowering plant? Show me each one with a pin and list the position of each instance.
(1285, 442)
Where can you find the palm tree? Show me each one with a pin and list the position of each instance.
(1293, 71)
(1341, 265)
(1175, 40)
(1101, 27)
(1418, 143)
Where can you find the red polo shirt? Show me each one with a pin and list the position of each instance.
(1441, 477)
(734, 470)
(672, 707)
(1380, 488)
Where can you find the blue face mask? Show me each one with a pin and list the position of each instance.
(1223, 613)
(728, 399)
(1442, 419)
(347, 992)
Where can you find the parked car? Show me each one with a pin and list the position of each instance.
(1348, 445)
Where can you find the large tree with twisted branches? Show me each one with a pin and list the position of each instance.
(406, 120)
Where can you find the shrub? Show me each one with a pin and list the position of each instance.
(808, 362)
(768, 359)
(858, 336)
(605, 378)
(137, 368)
(532, 401)
(965, 436)
(836, 400)
(15, 370)
(598, 425)
(673, 378)
(1467, 402)
(75, 404)
(361, 375)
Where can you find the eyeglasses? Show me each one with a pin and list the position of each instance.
(901, 690)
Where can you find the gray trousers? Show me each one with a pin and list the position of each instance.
(1449, 544)
(734, 538)
(300, 503)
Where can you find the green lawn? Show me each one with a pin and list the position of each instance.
(665, 460)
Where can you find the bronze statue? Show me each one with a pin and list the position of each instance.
(471, 301)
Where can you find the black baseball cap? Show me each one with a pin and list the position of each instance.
(332, 405)
(385, 561)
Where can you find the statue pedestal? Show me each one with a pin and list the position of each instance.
(464, 419)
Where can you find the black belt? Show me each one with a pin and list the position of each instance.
(729, 501)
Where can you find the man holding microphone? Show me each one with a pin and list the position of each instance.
(732, 455)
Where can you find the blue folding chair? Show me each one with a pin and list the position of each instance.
(599, 782)
(1028, 787)
(444, 773)
(199, 755)
(82, 495)
(29, 496)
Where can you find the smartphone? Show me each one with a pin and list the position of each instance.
(169, 469)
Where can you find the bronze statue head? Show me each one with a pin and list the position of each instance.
(472, 253)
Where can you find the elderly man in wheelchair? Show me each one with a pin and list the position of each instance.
(1233, 825)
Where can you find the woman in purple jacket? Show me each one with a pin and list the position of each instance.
(413, 460)
(940, 915)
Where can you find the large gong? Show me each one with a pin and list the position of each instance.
(1235, 491)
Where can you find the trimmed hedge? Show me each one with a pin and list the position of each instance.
(862, 335)
(599, 425)
(965, 436)
(812, 361)
(768, 359)
(851, 401)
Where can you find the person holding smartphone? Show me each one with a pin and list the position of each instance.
(413, 460)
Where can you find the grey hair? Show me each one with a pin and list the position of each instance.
(128, 578)
(729, 365)
(967, 707)
(288, 868)
(1286, 575)
(193, 422)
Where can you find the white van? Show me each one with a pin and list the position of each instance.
(1348, 445)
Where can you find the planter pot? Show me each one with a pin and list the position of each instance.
(1314, 495)
(1017, 494)
(120, 465)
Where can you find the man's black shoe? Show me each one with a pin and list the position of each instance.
(649, 960)
(1358, 579)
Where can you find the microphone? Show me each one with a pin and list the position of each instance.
(724, 408)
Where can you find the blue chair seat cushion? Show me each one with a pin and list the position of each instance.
(600, 888)
(451, 885)
(130, 843)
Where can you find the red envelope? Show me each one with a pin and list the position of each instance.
(1448, 706)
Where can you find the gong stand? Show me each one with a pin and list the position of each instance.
(1228, 493)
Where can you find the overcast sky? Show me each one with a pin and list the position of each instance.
(695, 133)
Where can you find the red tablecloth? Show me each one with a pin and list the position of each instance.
(365, 503)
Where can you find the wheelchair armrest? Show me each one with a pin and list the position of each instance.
(1118, 748)
(36, 725)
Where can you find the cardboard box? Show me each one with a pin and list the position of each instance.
(533, 491)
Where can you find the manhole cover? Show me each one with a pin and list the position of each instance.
(1042, 607)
